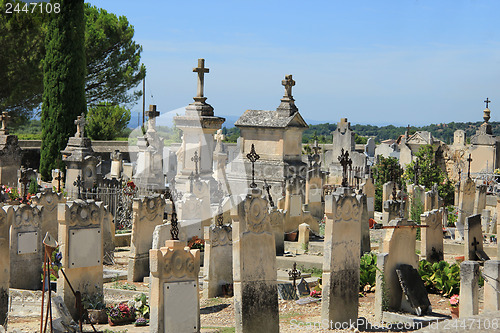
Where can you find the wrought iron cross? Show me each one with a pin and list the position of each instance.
(345, 161)
(267, 187)
(58, 178)
(487, 101)
(191, 180)
(294, 274)
(79, 183)
(468, 170)
(253, 157)
(196, 159)
(24, 180)
(201, 70)
(174, 224)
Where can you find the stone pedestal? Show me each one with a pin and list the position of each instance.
(432, 236)
(254, 272)
(26, 251)
(174, 294)
(10, 159)
(80, 242)
(469, 289)
(218, 259)
(492, 285)
(4, 263)
(49, 200)
(341, 257)
(304, 237)
(147, 214)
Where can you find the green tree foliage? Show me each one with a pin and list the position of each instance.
(430, 174)
(383, 173)
(231, 134)
(106, 121)
(63, 81)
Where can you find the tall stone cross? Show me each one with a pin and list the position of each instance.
(80, 126)
(196, 159)
(253, 157)
(345, 161)
(201, 70)
(487, 101)
(4, 118)
(288, 82)
(468, 170)
(152, 114)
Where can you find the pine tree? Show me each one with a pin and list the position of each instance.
(63, 80)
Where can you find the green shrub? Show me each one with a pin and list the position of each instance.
(367, 271)
(440, 277)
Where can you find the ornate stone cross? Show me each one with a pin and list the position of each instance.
(196, 159)
(80, 126)
(79, 184)
(201, 70)
(468, 170)
(487, 101)
(219, 137)
(345, 161)
(253, 156)
(294, 274)
(288, 82)
(4, 118)
(267, 187)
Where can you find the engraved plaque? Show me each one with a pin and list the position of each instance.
(27, 242)
(180, 306)
(85, 247)
(370, 203)
(295, 205)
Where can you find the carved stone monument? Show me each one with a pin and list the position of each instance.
(49, 200)
(432, 236)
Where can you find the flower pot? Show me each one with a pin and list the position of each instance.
(291, 236)
(459, 259)
(454, 312)
(120, 321)
(97, 316)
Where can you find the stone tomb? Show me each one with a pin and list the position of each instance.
(432, 236)
(81, 243)
(4, 263)
(49, 200)
(341, 257)
(147, 214)
(474, 239)
(174, 296)
(254, 266)
(26, 251)
(218, 259)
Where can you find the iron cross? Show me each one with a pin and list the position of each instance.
(253, 157)
(201, 70)
(267, 187)
(79, 183)
(288, 82)
(294, 274)
(191, 179)
(174, 225)
(468, 170)
(196, 159)
(345, 161)
(487, 101)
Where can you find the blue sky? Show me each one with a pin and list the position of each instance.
(375, 62)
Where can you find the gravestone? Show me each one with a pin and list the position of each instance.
(314, 192)
(469, 289)
(303, 237)
(485, 220)
(480, 199)
(174, 296)
(276, 219)
(466, 207)
(341, 257)
(108, 237)
(303, 288)
(492, 285)
(4, 263)
(390, 211)
(49, 200)
(432, 236)
(368, 189)
(292, 209)
(431, 200)
(286, 292)
(57, 180)
(387, 189)
(474, 239)
(116, 164)
(148, 213)
(81, 243)
(26, 252)
(218, 259)
(416, 299)
(365, 224)
(254, 266)
(201, 189)
(10, 153)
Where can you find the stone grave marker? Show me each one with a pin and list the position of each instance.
(49, 200)
(4, 263)
(303, 237)
(341, 258)
(474, 239)
(286, 292)
(26, 252)
(368, 189)
(480, 199)
(303, 288)
(254, 266)
(466, 207)
(276, 218)
(416, 299)
(147, 214)
(492, 285)
(81, 244)
(174, 296)
(432, 236)
(469, 288)
(485, 220)
(365, 224)
(390, 211)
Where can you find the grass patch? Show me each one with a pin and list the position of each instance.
(221, 329)
(213, 301)
(316, 272)
(290, 315)
(123, 286)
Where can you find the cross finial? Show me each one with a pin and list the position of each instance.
(201, 70)
(196, 159)
(345, 161)
(468, 170)
(219, 137)
(152, 114)
(80, 126)
(174, 225)
(288, 83)
(253, 156)
(487, 101)
(4, 118)
(58, 178)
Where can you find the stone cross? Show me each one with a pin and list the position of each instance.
(345, 161)
(80, 126)
(487, 101)
(253, 156)
(288, 83)
(201, 70)
(24, 180)
(468, 170)
(267, 187)
(152, 114)
(294, 274)
(219, 137)
(58, 178)
(4, 118)
(316, 157)
(79, 183)
(196, 159)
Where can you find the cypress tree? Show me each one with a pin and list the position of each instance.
(63, 82)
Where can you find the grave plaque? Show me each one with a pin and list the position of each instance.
(181, 315)
(314, 194)
(27, 242)
(295, 205)
(85, 247)
(413, 289)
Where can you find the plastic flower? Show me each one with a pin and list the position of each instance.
(454, 300)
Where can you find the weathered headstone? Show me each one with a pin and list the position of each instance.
(4, 263)
(341, 257)
(148, 213)
(174, 296)
(314, 193)
(492, 285)
(365, 224)
(480, 199)
(26, 252)
(485, 220)
(10, 153)
(432, 236)
(108, 236)
(368, 189)
(431, 200)
(473, 238)
(469, 288)
(276, 218)
(303, 288)
(387, 189)
(49, 200)
(466, 207)
(80, 242)
(416, 299)
(390, 211)
(254, 266)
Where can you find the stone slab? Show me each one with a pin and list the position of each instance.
(393, 317)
